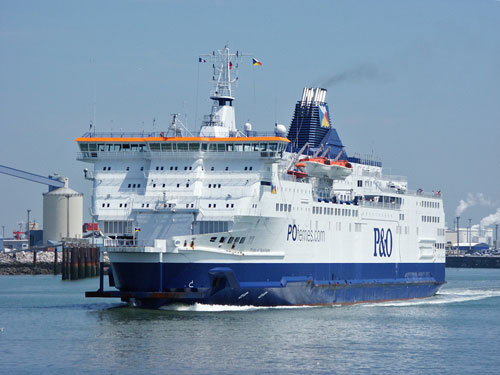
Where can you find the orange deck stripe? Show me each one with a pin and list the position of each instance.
(180, 139)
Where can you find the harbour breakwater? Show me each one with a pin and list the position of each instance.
(22, 263)
(455, 261)
(43, 263)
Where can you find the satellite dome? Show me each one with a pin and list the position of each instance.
(280, 130)
(248, 127)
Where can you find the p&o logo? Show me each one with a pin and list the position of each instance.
(382, 242)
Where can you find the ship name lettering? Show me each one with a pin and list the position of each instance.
(304, 235)
(382, 243)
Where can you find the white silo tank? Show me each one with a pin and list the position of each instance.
(62, 214)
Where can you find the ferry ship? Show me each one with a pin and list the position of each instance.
(234, 217)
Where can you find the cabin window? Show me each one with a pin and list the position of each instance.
(154, 147)
(212, 147)
(182, 146)
(84, 146)
(221, 147)
(230, 240)
(204, 147)
(194, 147)
(166, 147)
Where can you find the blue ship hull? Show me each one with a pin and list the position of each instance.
(271, 284)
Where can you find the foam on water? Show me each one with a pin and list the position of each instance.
(444, 297)
(199, 307)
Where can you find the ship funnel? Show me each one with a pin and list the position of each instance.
(312, 123)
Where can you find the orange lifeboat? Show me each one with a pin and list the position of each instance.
(324, 167)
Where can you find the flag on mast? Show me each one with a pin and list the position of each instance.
(256, 62)
(202, 60)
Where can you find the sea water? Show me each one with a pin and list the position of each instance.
(48, 327)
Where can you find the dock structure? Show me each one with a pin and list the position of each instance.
(80, 261)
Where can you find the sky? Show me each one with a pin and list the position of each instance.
(416, 83)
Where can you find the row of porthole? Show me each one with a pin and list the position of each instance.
(332, 211)
(231, 240)
(175, 168)
(122, 205)
(214, 205)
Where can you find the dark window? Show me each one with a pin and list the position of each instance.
(222, 239)
(230, 240)
(213, 239)
(242, 239)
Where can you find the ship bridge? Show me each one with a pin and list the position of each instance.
(146, 145)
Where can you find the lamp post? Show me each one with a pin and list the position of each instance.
(458, 233)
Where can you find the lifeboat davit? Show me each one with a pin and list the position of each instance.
(298, 174)
(324, 167)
